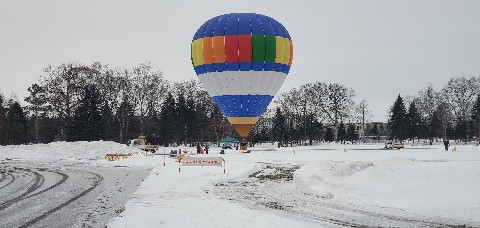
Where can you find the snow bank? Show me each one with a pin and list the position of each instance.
(64, 150)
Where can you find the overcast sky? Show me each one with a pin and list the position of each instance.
(379, 48)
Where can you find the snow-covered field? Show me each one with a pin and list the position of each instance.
(324, 185)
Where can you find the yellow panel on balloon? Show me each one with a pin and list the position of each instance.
(199, 51)
(194, 53)
(287, 51)
(280, 48)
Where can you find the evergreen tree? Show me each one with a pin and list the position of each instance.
(168, 120)
(109, 123)
(342, 133)
(87, 124)
(193, 122)
(435, 126)
(374, 131)
(329, 137)
(352, 134)
(181, 119)
(278, 129)
(475, 120)
(38, 100)
(461, 130)
(16, 125)
(414, 122)
(450, 131)
(313, 128)
(3, 121)
(125, 117)
(398, 120)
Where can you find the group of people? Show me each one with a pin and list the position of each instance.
(200, 149)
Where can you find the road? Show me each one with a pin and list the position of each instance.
(63, 194)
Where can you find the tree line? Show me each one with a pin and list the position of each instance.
(450, 113)
(78, 102)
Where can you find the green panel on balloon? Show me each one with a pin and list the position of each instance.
(270, 49)
(258, 48)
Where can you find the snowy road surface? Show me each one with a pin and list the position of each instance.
(63, 194)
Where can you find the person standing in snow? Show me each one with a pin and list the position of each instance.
(446, 143)
(206, 148)
(198, 148)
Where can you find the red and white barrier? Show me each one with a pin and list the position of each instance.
(201, 161)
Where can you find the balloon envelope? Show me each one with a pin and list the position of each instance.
(242, 60)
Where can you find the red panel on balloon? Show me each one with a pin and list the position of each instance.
(231, 48)
(245, 48)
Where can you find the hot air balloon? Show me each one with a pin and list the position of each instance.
(242, 60)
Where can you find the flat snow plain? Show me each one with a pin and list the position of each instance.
(328, 185)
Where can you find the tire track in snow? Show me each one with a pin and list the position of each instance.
(64, 178)
(11, 180)
(39, 180)
(98, 181)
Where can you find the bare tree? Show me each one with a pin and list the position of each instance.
(148, 90)
(460, 94)
(64, 85)
(362, 115)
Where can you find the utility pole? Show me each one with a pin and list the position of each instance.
(362, 106)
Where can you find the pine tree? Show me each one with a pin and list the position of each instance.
(181, 119)
(342, 133)
(16, 125)
(38, 100)
(108, 123)
(193, 121)
(398, 120)
(313, 128)
(329, 137)
(414, 122)
(278, 129)
(461, 130)
(435, 126)
(3, 116)
(374, 131)
(168, 120)
(125, 117)
(352, 134)
(475, 120)
(87, 124)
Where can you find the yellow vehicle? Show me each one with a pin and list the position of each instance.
(141, 143)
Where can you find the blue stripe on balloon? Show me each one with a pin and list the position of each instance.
(256, 25)
(241, 23)
(209, 29)
(232, 25)
(221, 25)
(267, 26)
(243, 105)
(242, 66)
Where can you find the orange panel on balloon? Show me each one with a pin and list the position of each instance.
(208, 50)
(219, 49)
